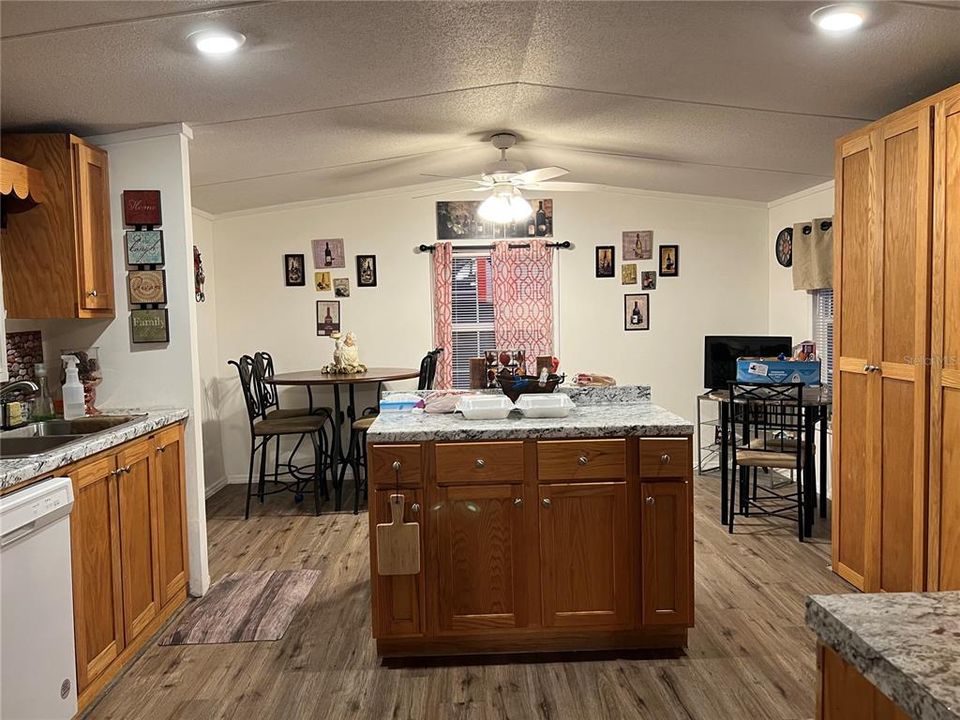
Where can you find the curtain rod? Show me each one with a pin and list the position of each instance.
(565, 245)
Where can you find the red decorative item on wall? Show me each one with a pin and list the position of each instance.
(141, 207)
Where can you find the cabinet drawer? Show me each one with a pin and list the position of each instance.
(479, 462)
(665, 458)
(581, 459)
(383, 472)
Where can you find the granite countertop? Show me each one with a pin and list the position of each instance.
(14, 471)
(906, 644)
(588, 421)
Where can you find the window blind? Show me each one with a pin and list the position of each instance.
(472, 312)
(823, 333)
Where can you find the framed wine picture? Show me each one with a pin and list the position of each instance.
(293, 273)
(604, 262)
(669, 261)
(366, 270)
(328, 317)
(636, 311)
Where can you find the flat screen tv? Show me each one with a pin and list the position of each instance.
(720, 353)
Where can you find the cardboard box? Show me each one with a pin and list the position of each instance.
(772, 370)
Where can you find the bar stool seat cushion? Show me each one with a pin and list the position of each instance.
(768, 459)
(286, 413)
(363, 424)
(288, 426)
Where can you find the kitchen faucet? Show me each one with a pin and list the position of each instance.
(27, 386)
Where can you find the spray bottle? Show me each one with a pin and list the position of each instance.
(73, 405)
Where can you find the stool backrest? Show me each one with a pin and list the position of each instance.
(428, 370)
(770, 415)
(263, 368)
(249, 386)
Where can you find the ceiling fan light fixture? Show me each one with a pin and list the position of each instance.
(520, 208)
(504, 205)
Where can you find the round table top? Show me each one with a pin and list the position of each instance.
(315, 377)
(812, 396)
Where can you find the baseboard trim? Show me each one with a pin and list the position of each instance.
(215, 487)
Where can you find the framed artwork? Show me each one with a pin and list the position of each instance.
(636, 311)
(328, 253)
(141, 207)
(460, 220)
(637, 244)
(147, 287)
(322, 281)
(293, 273)
(366, 270)
(628, 274)
(149, 326)
(648, 280)
(143, 247)
(328, 317)
(604, 261)
(669, 261)
(341, 287)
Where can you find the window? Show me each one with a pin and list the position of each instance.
(823, 333)
(472, 312)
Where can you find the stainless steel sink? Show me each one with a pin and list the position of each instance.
(40, 437)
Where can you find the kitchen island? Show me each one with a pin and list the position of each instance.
(536, 534)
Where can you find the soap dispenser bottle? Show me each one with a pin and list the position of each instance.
(73, 405)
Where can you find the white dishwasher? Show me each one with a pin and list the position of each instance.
(37, 658)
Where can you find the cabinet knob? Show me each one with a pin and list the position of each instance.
(665, 459)
(415, 508)
(396, 466)
(92, 293)
(583, 459)
(480, 462)
(518, 502)
(650, 500)
(161, 448)
(546, 502)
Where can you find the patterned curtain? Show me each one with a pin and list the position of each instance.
(523, 298)
(443, 312)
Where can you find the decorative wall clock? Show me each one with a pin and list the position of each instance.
(784, 247)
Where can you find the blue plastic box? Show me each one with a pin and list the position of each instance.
(772, 370)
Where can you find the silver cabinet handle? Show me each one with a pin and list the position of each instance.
(161, 448)
(546, 502)
(415, 508)
(480, 463)
(583, 459)
(518, 502)
(871, 368)
(396, 466)
(92, 293)
(650, 500)
(665, 459)
(126, 469)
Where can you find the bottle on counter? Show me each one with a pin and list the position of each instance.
(73, 404)
(43, 403)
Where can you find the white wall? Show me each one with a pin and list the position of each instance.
(213, 469)
(791, 311)
(144, 376)
(722, 288)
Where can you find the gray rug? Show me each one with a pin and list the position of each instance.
(244, 607)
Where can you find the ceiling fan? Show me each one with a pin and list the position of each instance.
(504, 179)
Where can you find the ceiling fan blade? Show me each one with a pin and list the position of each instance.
(566, 186)
(454, 177)
(540, 174)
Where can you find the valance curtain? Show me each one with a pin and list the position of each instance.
(523, 298)
(813, 254)
(443, 312)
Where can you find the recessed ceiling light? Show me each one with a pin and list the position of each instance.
(217, 42)
(838, 18)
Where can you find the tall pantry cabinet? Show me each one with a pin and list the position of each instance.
(897, 396)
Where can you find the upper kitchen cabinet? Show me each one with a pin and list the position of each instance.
(57, 258)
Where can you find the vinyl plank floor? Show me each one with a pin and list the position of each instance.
(750, 655)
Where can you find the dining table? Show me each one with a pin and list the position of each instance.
(815, 402)
(317, 378)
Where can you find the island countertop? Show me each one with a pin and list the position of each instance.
(17, 471)
(636, 419)
(906, 644)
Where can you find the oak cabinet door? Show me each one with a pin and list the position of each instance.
(397, 599)
(479, 532)
(138, 536)
(94, 242)
(667, 545)
(584, 554)
(95, 552)
(171, 513)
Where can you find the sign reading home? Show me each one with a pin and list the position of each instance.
(141, 207)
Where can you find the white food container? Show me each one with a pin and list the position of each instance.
(546, 405)
(485, 407)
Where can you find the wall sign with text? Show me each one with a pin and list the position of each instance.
(141, 207)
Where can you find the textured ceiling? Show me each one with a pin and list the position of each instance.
(734, 99)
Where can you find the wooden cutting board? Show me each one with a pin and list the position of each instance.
(398, 543)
